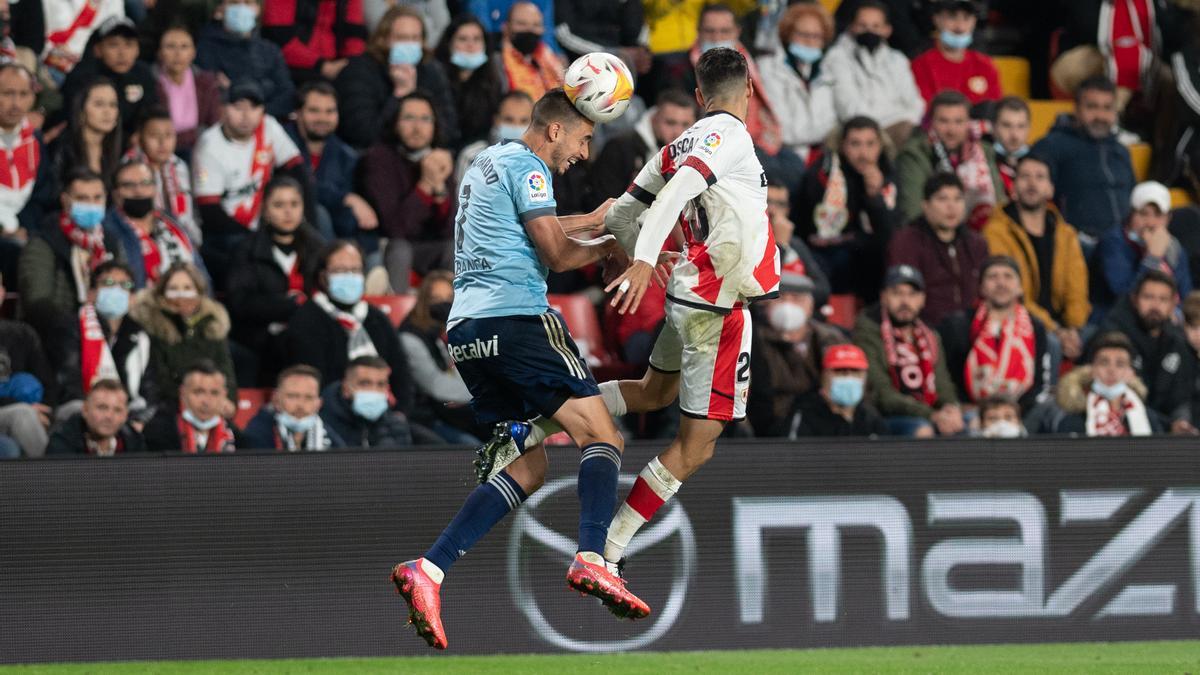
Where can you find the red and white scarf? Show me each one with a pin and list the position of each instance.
(18, 172)
(1001, 360)
(165, 245)
(358, 342)
(220, 438)
(910, 362)
(261, 162)
(171, 195)
(1127, 38)
(96, 357)
(87, 251)
(972, 168)
(1127, 418)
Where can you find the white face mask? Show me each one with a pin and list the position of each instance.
(1004, 429)
(786, 317)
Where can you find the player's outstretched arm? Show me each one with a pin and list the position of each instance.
(562, 253)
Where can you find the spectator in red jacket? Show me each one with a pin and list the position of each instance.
(408, 180)
(948, 255)
(317, 37)
(950, 64)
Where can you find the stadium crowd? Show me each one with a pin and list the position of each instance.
(206, 199)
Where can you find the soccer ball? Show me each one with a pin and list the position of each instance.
(599, 85)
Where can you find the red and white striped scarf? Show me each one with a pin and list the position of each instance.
(1000, 361)
(910, 362)
(96, 359)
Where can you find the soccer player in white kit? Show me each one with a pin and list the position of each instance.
(710, 182)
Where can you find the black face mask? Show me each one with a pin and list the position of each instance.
(440, 311)
(138, 207)
(871, 41)
(525, 42)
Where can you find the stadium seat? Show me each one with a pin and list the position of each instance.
(395, 306)
(1139, 155)
(248, 403)
(1042, 115)
(1180, 198)
(1014, 75)
(841, 310)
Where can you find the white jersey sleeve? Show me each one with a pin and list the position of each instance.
(284, 148)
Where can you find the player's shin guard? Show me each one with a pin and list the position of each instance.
(544, 427)
(653, 487)
(599, 467)
(485, 506)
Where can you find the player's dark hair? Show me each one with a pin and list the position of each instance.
(375, 362)
(941, 180)
(675, 97)
(872, 4)
(1011, 104)
(1095, 83)
(299, 370)
(553, 107)
(106, 267)
(949, 98)
(719, 70)
(1112, 340)
(1155, 277)
(314, 87)
(715, 8)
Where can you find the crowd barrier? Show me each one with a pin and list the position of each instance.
(824, 543)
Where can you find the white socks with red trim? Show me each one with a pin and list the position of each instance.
(544, 427)
(653, 487)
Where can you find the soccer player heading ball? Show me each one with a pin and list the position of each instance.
(517, 356)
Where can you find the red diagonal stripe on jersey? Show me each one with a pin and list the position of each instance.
(708, 285)
(767, 271)
(699, 165)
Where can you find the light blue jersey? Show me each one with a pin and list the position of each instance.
(497, 271)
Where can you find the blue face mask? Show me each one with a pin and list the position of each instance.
(706, 46)
(346, 287)
(954, 40)
(112, 302)
(202, 425)
(1110, 392)
(86, 216)
(509, 132)
(296, 425)
(240, 19)
(405, 54)
(1001, 152)
(804, 53)
(468, 60)
(369, 404)
(846, 390)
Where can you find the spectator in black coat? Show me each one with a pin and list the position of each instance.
(336, 325)
(231, 46)
(341, 212)
(472, 75)
(1162, 357)
(838, 408)
(356, 407)
(100, 429)
(268, 279)
(624, 156)
(115, 57)
(372, 84)
(197, 425)
(290, 423)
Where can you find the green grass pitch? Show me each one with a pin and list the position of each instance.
(1120, 657)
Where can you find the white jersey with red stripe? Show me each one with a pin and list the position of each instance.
(731, 255)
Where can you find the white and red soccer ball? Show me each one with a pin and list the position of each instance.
(600, 86)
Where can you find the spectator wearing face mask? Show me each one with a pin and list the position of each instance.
(1105, 397)
(872, 79)
(838, 408)
(510, 122)
(950, 63)
(337, 326)
(198, 425)
(527, 63)
(230, 45)
(152, 240)
(394, 65)
(473, 76)
(785, 360)
(357, 407)
(442, 397)
(291, 423)
(1000, 417)
(1010, 129)
(106, 344)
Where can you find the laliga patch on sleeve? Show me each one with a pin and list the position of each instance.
(709, 144)
(539, 188)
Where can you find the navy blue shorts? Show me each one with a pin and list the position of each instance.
(518, 367)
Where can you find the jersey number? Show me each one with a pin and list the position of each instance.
(460, 231)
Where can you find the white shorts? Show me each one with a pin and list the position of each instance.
(711, 353)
